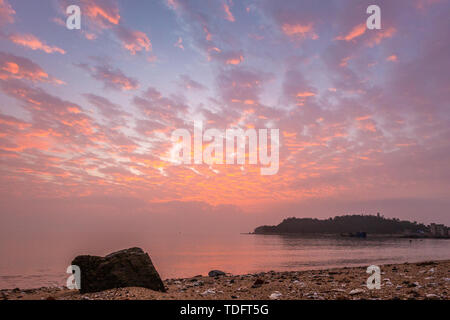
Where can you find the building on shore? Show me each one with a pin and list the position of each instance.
(439, 230)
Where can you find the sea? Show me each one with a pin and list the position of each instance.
(38, 263)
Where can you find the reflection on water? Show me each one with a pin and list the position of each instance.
(189, 255)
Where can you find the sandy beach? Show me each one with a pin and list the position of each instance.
(417, 281)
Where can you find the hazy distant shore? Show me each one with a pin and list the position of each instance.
(423, 280)
(337, 235)
(357, 225)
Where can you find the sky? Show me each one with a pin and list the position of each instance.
(86, 115)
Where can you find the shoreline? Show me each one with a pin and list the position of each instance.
(405, 281)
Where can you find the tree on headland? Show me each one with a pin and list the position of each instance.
(344, 224)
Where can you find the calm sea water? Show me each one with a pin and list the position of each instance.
(43, 264)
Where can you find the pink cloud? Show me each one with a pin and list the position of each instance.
(296, 89)
(89, 35)
(179, 43)
(6, 12)
(240, 89)
(104, 13)
(356, 32)
(228, 15)
(108, 109)
(208, 35)
(155, 106)
(305, 94)
(51, 116)
(392, 58)
(34, 43)
(111, 77)
(235, 60)
(173, 4)
(59, 22)
(298, 30)
(133, 40)
(380, 35)
(225, 57)
(15, 67)
(188, 83)
(421, 4)
(152, 59)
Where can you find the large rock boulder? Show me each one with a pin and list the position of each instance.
(126, 268)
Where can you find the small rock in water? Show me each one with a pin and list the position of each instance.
(216, 273)
(275, 296)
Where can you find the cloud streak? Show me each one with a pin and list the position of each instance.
(112, 78)
(34, 43)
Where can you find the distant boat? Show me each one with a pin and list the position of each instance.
(359, 234)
